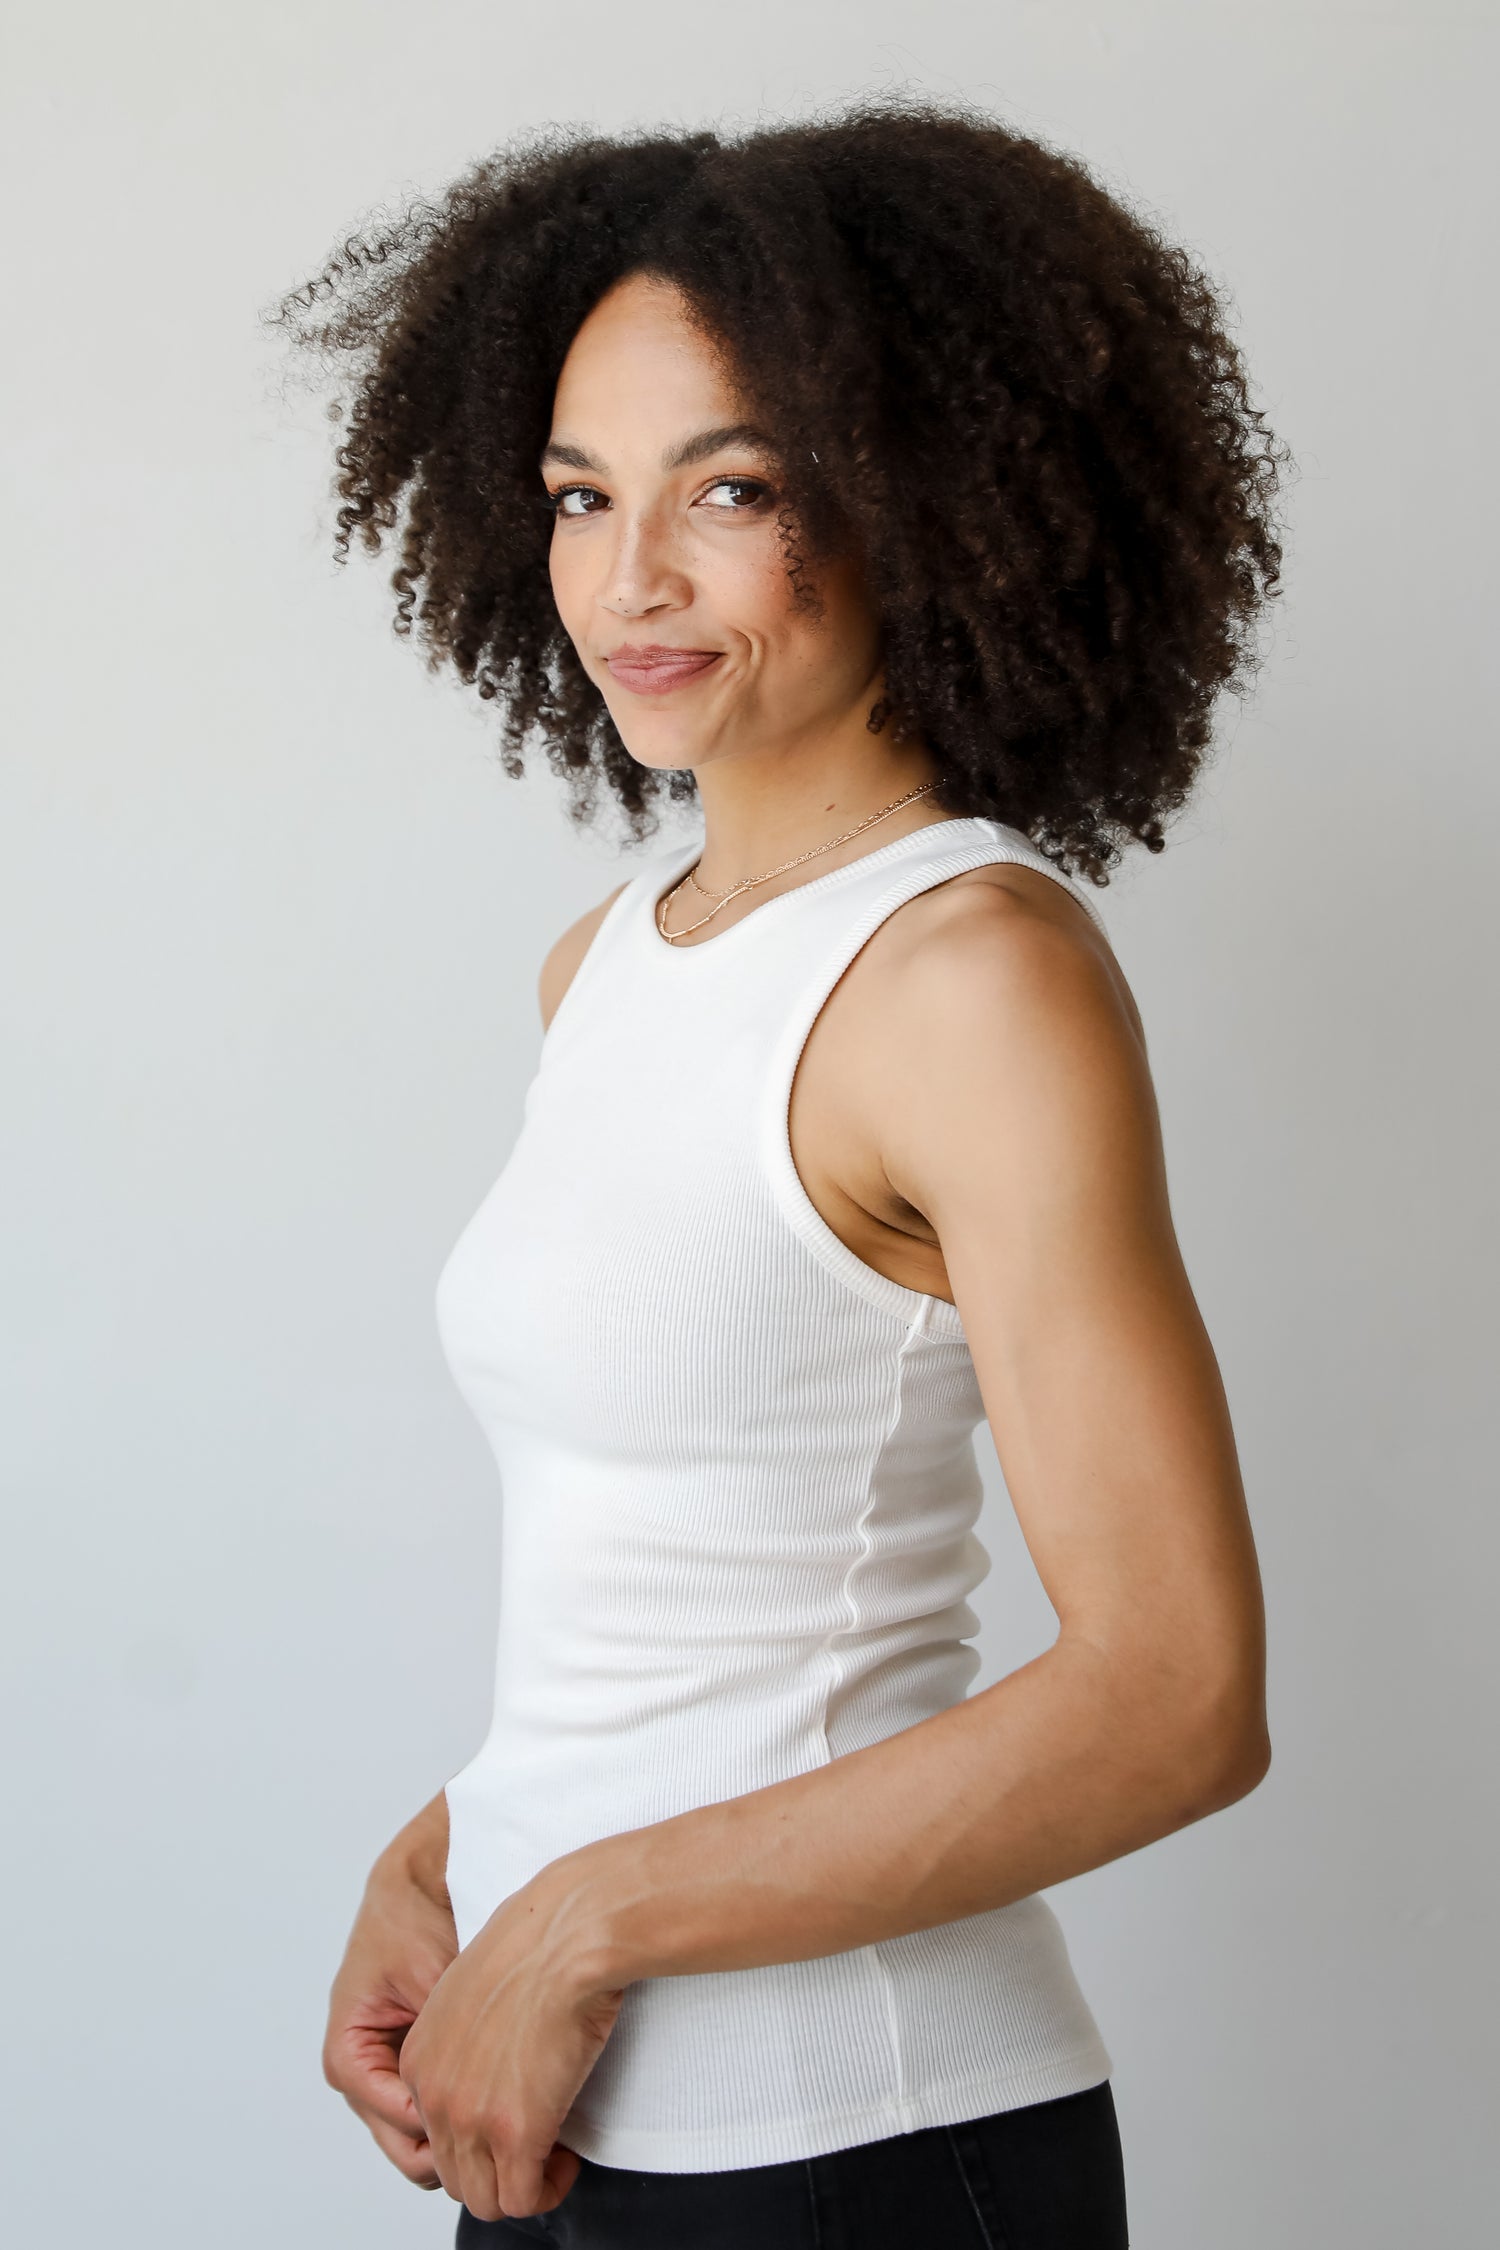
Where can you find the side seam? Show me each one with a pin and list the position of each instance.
(916, 1329)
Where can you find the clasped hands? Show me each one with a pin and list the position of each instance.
(464, 2065)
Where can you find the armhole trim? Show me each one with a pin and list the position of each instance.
(909, 1306)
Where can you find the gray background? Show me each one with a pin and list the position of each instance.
(272, 921)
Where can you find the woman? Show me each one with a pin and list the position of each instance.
(885, 487)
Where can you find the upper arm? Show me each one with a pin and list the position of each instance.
(562, 962)
(1026, 1131)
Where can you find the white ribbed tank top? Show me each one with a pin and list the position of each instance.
(739, 1490)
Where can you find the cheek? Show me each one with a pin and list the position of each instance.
(831, 645)
(749, 587)
(562, 568)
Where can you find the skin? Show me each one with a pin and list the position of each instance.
(973, 1115)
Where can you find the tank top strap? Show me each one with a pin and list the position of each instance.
(928, 856)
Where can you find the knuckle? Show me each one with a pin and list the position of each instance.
(518, 2194)
(507, 2144)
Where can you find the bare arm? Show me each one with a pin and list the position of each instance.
(1022, 1124)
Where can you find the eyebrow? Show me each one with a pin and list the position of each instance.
(699, 448)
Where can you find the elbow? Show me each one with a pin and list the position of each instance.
(1228, 1750)
(1218, 1684)
(1237, 1762)
(1196, 1725)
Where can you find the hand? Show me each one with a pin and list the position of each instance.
(508, 2035)
(402, 1940)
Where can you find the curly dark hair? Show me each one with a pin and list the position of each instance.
(1007, 394)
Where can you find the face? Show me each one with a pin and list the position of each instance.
(666, 567)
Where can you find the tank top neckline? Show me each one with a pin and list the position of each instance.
(682, 860)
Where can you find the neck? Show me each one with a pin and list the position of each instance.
(758, 812)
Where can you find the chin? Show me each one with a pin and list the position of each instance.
(661, 757)
(666, 748)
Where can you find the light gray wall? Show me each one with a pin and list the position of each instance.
(272, 923)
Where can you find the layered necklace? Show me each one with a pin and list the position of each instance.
(751, 881)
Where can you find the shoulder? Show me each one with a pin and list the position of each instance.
(1015, 1028)
(561, 964)
(1004, 946)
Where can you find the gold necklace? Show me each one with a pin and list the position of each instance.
(751, 881)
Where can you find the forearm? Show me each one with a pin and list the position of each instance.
(1051, 1772)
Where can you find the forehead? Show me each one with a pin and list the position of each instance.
(640, 360)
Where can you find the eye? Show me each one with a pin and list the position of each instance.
(752, 490)
(556, 502)
(748, 493)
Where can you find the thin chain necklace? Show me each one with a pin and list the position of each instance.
(751, 881)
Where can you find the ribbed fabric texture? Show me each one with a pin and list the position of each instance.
(739, 1492)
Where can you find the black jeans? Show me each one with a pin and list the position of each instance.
(1049, 2176)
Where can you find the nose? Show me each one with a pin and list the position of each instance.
(643, 573)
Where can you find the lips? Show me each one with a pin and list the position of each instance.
(657, 672)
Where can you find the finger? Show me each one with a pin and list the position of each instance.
(412, 2159)
(443, 2158)
(560, 2170)
(367, 2073)
(520, 2184)
(383, 2094)
(479, 2191)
